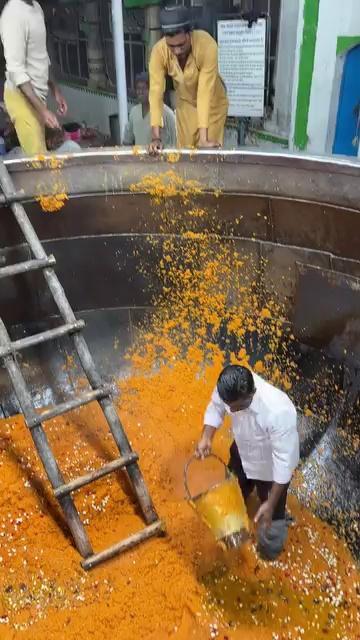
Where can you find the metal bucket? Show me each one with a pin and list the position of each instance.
(222, 508)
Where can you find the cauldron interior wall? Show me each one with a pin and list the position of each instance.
(301, 215)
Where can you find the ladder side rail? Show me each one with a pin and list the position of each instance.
(135, 476)
(134, 473)
(43, 448)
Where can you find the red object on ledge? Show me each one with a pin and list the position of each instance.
(72, 131)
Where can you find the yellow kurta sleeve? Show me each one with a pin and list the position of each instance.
(157, 86)
(208, 74)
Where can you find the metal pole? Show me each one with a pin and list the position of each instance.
(119, 48)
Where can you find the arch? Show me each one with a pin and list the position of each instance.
(348, 105)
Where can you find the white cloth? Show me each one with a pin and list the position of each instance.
(69, 146)
(265, 433)
(23, 34)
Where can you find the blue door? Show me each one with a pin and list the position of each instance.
(349, 105)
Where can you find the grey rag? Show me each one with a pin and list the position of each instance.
(271, 541)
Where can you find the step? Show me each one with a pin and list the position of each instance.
(25, 267)
(69, 405)
(155, 529)
(82, 481)
(40, 338)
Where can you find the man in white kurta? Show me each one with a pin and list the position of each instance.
(265, 451)
(138, 129)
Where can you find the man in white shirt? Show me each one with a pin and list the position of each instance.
(138, 130)
(265, 451)
(23, 34)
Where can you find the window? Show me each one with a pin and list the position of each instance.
(68, 43)
(63, 58)
(84, 69)
(71, 57)
(135, 58)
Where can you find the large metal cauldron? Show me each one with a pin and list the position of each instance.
(308, 231)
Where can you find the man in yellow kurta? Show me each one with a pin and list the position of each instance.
(191, 59)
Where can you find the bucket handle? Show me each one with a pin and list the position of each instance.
(186, 468)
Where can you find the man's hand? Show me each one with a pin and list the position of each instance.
(203, 448)
(61, 102)
(155, 147)
(264, 515)
(49, 119)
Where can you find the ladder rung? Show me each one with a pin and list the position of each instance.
(82, 481)
(17, 196)
(39, 338)
(69, 405)
(25, 267)
(155, 529)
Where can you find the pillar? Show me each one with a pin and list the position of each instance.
(95, 53)
(152, 28)
(285, 66)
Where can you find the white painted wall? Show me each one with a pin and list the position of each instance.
(88, 106)
(285, 66)
(334, 103)
(335, 19)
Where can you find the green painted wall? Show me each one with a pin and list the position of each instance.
(269, 137)
(132, 4)
(306, 69)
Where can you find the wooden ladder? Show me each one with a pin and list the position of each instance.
(128, 459)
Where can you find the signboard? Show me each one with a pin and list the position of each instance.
(242, 53)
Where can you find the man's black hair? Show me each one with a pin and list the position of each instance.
(142, 77)
(235, 382)
(174, 19)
